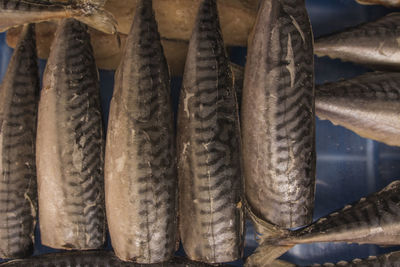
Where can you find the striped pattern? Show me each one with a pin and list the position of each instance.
(209, 148)
(70, 144)
(385, 260)
(141, 182)
(19, 95)
(278, 123)
(30, 5)
(95, 259)
(374, 44)
(367, 104)
(372, 220)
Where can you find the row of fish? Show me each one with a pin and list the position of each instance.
(141, 196)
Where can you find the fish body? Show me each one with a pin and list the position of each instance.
(140, 170)
(209, 167)
(19, 96)
(70, 145)
(385, 260)
(375, 44)
(94, 259)
(372, 220)
(17, 12)
(278, 121)
(368, 105)
(388, 3)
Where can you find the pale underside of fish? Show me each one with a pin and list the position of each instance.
(210, 180)
(277, 116)
(18, 12)
(375, 44)
(389, 3)
(368, 104)
(95, 259)
(70, 145)
(19, 96)
(140, 170)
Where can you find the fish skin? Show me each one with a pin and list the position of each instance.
(367, 104)
(388, 3)
(375, 44)
(278, 121)
(70, 145)
(95, 259)
(17, 12)
(19, 96)
(386, 260)
(371, 220)
(140, 171)
(210, 179)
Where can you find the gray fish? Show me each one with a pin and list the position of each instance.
(388, 3)
(17, 12)
(278, 121)
(140, 169)
(210, 180)
(368, 105)
(70, 144)
(95, 259)
(19, 96)
(375, 44)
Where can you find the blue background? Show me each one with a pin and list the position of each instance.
(348, 166)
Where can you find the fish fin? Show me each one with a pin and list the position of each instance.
(100, 20)
(265, 255)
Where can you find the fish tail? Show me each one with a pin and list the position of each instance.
(265, 255)
(99, 19)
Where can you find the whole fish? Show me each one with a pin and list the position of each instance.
(278, 121)
(18, 12)
(371, 220)
(210, 180)
(94, 259)
(19, 96)
(375, 44)
(70, 145)
(368, 105)
(388, 3)
(140, 169)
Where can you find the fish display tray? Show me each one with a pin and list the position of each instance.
(348, 166)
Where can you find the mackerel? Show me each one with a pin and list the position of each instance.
(19, 96)
(140, 169)
(210, 180)
(70, 144)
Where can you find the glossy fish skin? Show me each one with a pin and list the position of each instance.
(17, 12)
(19, 96)
(94, 259)
(374, 44)
(210, 180)
(70, 145)
(278, 122)
(140, 171)
(388, 3)
(385, 260)
(372, 220)
(368, 105)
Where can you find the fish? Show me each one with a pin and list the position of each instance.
(208, 144)
(140, 169)
(19, 97)
(374, 44)
(277, 116)
(95, 259)
(385, 260)
(388, 3)
(367, 104)
(17, 12)
(70, 145)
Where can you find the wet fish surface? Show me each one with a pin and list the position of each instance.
(375, 44)
(19, 96)
(70, 145)
(95, 259)
(372, 220)
(278, 124)
(368, 105)
(140, 171)
(17, 12)
(210, 181)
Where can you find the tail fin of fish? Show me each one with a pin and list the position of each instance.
(99, 19)
(265, 255)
